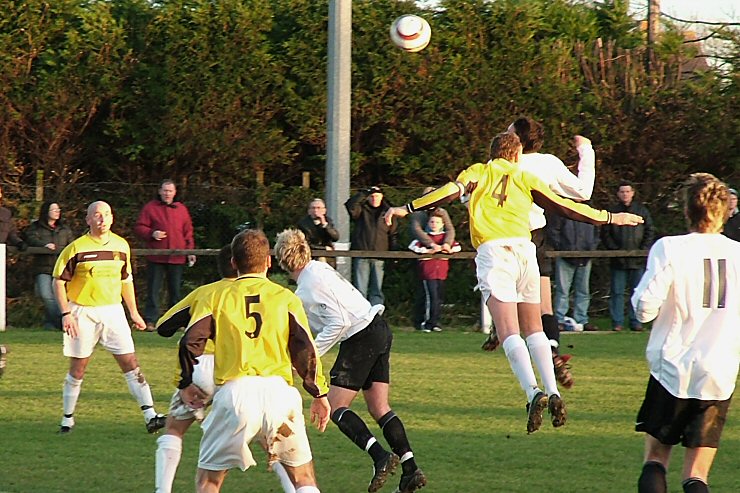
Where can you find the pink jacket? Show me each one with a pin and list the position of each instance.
(175, 220)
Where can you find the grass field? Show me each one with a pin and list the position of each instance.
(462, 408)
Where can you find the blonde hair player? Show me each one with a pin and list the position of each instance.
(500, 197)
(691, 291)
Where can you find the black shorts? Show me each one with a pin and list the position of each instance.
(364, 358)
(693, 422)
(539, 238)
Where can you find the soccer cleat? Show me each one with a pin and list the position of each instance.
(412, 482)
(535, 410)
(382, 470)
(68, 423)
(3, 358)
(556, 408)
(156, 423)
(562, 370)
(491, 342)
(436, 328)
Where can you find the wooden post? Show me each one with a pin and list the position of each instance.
(39, 185)
(652, 34)
(260, 177)
(306, 179)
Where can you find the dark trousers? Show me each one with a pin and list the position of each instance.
(155, 274)
(429, 299)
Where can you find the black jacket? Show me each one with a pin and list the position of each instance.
(638, 237)
(370, 231)
(567, 234)
(8, 231)
(40, 234)
(316, 235)
(732, 227)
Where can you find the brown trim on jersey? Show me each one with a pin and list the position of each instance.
(192, 345)
(100, 256)
(551, 206)
(178, 319)
(303, 355)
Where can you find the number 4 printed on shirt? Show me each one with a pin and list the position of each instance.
(499, 191)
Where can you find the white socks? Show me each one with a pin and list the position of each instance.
(282, 475)
(139, 388)
(167, 458)
(518, 356)
(541, 351)
(70, 394)
(307, 489)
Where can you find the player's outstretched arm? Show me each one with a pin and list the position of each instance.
(626, 219)
(395, 211)
(320, 411)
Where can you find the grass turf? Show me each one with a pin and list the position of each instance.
(462, 408)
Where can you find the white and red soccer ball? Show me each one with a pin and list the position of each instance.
(411, 33)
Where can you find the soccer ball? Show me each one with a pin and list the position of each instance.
(411, 33)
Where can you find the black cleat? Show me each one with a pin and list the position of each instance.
(535, 410)
(562, 370)
(382, 470)
(556, 407)
(63, 430)
(491, 343)
(156, 423)
(412, 482)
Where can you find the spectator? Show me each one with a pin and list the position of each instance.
(418, 224)
(319, 228)
(433, 271)
(567, 234)
(626, 271)
(50, 232)
(164, 224)
(367, 209)
(8, 231)
(732, 226)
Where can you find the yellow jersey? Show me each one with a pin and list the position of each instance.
(259, 328)
(94, 270)
(500, 197)
(179, 316)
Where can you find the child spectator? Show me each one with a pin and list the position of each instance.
(433, 272)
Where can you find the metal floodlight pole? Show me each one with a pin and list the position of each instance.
(338, 122)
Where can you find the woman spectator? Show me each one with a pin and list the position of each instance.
(49, 232)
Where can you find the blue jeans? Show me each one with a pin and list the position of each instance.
(568, 275)
(622, 279)
(44, 290)
(155, 274)
(367, 276)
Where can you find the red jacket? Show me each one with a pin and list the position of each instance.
(438, 266)
(175, 220)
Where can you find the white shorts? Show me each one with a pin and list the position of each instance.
(248, 407)
(509, 272)
(105, 324)
(203, 378)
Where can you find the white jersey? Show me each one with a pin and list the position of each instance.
(336, 310)
(692, 286)
(558, 177)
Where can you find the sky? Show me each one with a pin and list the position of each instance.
(704, 10)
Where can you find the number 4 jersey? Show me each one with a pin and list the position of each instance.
(692, 289)
(500, 198)
(258, 328)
